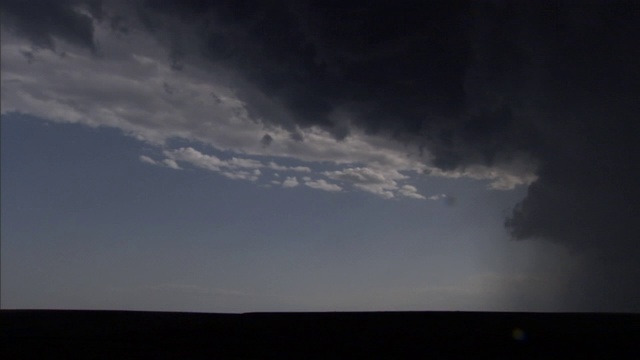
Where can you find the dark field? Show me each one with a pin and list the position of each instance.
(446, 335)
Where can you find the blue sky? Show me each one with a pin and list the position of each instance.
(86, 224)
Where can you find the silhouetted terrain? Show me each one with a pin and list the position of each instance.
(449, 335)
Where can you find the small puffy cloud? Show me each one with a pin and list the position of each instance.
(437, 197)
(171, 163)
(410, 191)
(448, 200)
(379, 181)
(378, 190)
(148, 160)
(210, 162)
(196, 158)
(321, 184)
(242, 175)
(274, 166)
(234, 168)
(359, 175)
(290, 181)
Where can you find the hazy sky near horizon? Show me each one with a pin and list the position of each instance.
(294, 156)
(86, 224)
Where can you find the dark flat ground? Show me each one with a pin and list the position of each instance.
(437, 335)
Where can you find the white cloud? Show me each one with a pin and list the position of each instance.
(290, 182)
(273, 166)
(235, 168)
(172, 164)
(362, 175)
(196, 158)
(242, 175)
(300, 169)
(148, 160)
(126, 87)
(212, 162)
(437, 197)
(504, 177)
(410, 191)
(244, 163)
(321, 184)
(381, 181)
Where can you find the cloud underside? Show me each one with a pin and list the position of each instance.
(491, 91)
(128, 83)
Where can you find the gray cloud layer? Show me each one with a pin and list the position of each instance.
(472, 83)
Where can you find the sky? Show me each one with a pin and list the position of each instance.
(236, 156)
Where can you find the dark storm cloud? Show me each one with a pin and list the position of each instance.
(470, 82)
(473, 83)
(587, 195)
(369, 60)
(43, 21)
(450, 76)
(266, 140)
